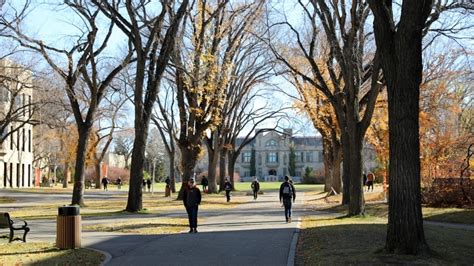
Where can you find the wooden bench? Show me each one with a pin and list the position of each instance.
(6, 222)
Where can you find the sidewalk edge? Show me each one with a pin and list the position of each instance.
(107, 255)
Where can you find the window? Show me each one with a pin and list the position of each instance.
(272, 157)
(23, 141)
(299, 157)
(259, 159)
(11, 174)
(246, 157)
(4, 94)
(309, 156)
(29, 175)
(271, 143)
(23, 104)
(29, 140)
(29, 105)
(284, 158)
(5, 174)
(22, 174)
(320, 157)
(18, 175)
(18, 140)
(11, 138)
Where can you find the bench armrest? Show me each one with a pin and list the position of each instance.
(15, 222)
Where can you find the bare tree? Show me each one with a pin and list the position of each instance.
(88, 48)
(108, 123)
(202, 64)
(400, 45)
(348, 78)
(165, 120)
(153, 38)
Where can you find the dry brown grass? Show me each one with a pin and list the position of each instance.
(115, 206)
(331, 241)
(149, 226)
(45, 254)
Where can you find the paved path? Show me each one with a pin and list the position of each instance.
(249, 234)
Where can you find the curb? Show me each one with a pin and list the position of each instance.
(294, 242)
(107, 255)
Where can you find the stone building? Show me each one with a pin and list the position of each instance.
(272, 152)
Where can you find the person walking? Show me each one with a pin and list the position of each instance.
(191, 201)
(227, 188)
(255, 188)
(370, 181)
(204, 184)
(148, 184)
(168, 187)
(105, 182)
(287, 194)
(119, 183)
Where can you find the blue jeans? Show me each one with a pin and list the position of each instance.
(287, 204)
(192, 216)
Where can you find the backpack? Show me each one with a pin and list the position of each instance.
(287, 190)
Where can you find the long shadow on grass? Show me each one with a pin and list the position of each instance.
(362, 244)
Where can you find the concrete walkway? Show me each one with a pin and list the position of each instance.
(249, 234)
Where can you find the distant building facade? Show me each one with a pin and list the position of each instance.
(272, 155)
(16, 151)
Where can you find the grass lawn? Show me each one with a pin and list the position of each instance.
(328, 241)
(45, 254)
(374, 207)
(151, 226)
(7, 200)
(275, 186)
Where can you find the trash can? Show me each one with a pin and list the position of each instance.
(68, 227)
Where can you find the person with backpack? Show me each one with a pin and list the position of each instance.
(227, 188)
(255, 188)
(287, 193)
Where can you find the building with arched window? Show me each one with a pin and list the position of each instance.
(272, 152)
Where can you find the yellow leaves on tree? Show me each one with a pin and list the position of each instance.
(69, 138)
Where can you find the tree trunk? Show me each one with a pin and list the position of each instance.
(78, 190)
(172, 173)
(222, 169)
(231, 159)
(189, 157)
(405, 222)
(97, 175)
(401, 56)
(345, 168)
(135, 203)
(336, 168)
(212, 169)
(356, 192)
(328, 166)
